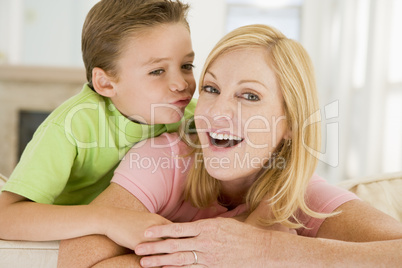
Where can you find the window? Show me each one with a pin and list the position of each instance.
(42, 32)
(285, 15)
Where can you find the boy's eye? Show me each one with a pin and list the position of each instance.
(157, 72)
(251, 97)
(210, 89)
(188, 67)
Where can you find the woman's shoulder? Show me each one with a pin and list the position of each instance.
(170, 143)
(322, 196)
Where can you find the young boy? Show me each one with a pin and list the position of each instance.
(138, 59)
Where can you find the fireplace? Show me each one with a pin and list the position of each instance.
(27, 124)
(27, 96)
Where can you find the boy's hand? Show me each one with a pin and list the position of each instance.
(119, 219)
(126, 227)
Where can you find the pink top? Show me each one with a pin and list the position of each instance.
(157, 178)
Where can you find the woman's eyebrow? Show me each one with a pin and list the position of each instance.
(241, 81)
(252, 81)
(211, 73)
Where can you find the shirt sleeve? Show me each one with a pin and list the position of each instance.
(45, 165)
(149, 171)
(322, 197)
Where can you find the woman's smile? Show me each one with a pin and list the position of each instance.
(224, 140)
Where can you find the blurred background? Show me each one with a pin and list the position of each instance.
(355, 46)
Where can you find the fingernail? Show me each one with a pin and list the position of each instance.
(145, 263)
(148, 234)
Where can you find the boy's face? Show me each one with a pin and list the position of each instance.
(155, 71)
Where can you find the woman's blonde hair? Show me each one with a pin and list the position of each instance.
(284, 186)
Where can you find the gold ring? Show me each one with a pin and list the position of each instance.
(195, 257)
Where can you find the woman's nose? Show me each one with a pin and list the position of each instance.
(223, 110)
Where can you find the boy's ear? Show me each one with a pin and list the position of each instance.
(102, 83)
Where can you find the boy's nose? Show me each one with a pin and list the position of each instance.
(178, 83)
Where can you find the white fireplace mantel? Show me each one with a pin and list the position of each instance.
(30, 88)
(41, 74)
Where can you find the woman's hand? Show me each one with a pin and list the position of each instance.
(252, 220)
(276, 227)
(213, 242)
(352, 238)
(219, 242)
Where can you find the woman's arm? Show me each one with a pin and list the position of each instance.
(265, 211)
(128, 260)
(360, 222)
(90, 250)
(359, 236)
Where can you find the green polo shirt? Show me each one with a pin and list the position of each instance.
(74, 152)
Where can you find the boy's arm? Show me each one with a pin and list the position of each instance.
(45, 221)
(90, 250)
(51, 222)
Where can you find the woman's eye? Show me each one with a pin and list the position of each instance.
(157, 72)
(210, 89)
(188, 67)
(251, 97)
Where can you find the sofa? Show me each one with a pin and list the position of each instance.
(25, 254)
(383, 192)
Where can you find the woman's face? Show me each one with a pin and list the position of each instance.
(239, 116)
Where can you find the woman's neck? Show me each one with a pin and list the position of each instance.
(230, 202)
(233, 192)
(232, 195)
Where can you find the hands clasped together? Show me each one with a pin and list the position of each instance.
(204, 244)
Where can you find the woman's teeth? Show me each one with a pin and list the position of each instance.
(220, 136)
(224, 140)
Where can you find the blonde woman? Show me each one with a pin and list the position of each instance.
(253, 160)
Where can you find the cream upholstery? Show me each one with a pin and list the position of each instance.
(24, 254)
(383, 192)
(2, 180)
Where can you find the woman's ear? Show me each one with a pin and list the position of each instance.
(102, 83)
(288, 134)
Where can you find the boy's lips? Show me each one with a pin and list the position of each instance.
(182, 102)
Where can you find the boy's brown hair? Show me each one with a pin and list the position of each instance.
(110, 23)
